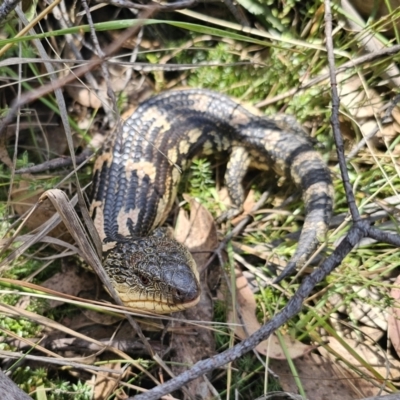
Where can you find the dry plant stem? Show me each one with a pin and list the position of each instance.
(384, 237)
(65, 23)
(356, 233)
(360, 229)
(30, 96)
(56, 361)
(136, 66)
(368, 42)
(104, 67)
(178, 5)
(29, 25)
(386, 119)
(245, 221)
(56, 163)
(236, 230)
(55, 85)
(335, 115)
(75, 228)
(386, 397)
(343, 68)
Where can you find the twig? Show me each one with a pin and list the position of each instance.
(55, 85)
(293, 307)
(335, 116)
(386, 397)
(30, 96)
(113, 109)
(136, 66)
(386, 119)
(56, 163)
(49, 360)
(359, 230)
(368, 42)
(389, 51)
(178, 5)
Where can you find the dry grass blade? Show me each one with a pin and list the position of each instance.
(60, 202)
(42, 231)
(18, 312)
(68, 215)
(64, 362)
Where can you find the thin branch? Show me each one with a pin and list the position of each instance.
(359, 230)
(386, 119)
(389, 51)
(384, 237)
(178, 5)
(136, 66)
(335, 115)
(56, 163)
(39, 92)
(292, 308)
(111, 111)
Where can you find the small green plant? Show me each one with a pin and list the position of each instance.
(198, 181)
(37, 380)
(201, 180)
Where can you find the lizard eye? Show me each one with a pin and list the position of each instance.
(144, 279)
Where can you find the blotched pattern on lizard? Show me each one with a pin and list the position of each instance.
(138, 171)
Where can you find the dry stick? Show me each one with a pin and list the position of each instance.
(51, 86)
(65, 23)
(335, 116)
(359, 230)
(178, 5)
(104, 67)
(386, 119)
(44, 90)
(381, 236)
(56, 163)
(385, 397)
(136, 66)
(292, 308)
(343, 68)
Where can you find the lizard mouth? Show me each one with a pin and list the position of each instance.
(155, 274)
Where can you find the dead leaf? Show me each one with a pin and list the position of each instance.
(374, 356)
(24, 198)
(247, 311)
(107, 383)
(394, 317)
(321, 379)
(248, 205)
(70, 280)
(359, 103)
(199, 234)
(4, 156)
(85, 96)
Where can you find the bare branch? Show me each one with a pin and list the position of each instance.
(335, 115)
(356, 233)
